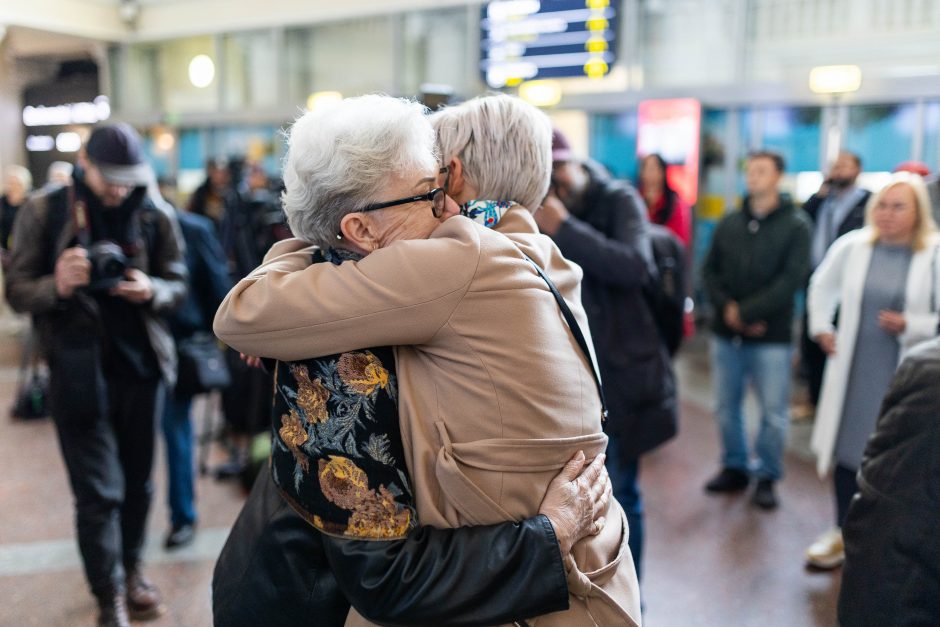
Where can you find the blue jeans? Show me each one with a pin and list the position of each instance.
(767, 366)
(178, 431)
(624, 478)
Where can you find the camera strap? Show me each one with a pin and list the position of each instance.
(79, 211)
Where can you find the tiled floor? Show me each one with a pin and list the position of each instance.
(709, 561)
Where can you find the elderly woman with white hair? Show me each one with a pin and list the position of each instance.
(884, 280)
(17, 184)
(488, 388)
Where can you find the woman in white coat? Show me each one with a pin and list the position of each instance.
(884, 281)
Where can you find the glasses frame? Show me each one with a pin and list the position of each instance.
(404, 201)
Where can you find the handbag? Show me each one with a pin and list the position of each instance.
(202, 366)
(32, 385)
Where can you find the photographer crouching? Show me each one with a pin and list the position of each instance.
(97, 264)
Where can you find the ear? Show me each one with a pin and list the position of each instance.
(360, 232)
(455, 182)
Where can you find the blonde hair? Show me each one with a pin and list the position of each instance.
(505, 145)
(925, 226)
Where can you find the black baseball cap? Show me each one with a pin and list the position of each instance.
(117, 151)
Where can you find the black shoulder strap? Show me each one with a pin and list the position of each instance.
(575, 330)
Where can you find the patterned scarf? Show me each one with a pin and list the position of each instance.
(486, 212)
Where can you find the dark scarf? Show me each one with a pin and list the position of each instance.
(116, 224)
(337, 456)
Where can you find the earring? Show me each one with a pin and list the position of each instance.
(339, 236)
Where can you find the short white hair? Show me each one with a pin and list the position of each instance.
(21, 174)
(504, 143)
(340, 159)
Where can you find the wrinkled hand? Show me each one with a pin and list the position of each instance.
(576, 501)
(550, 216)
(72, 270)
(254, 362)
(732, 316)
(138, 288)
(827, 342)
(892, 321)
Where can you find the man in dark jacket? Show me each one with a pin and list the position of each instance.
(601, 224)
(758, 259)
(209, 283)
(837, 208)
(97, 264)
(892, 548)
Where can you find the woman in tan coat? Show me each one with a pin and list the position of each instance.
(495, 394)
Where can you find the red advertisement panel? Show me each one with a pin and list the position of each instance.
(671, 128)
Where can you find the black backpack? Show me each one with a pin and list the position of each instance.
(666, 292)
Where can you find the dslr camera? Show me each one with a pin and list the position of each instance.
(108, 263)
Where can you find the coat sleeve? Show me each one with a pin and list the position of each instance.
(712, 270)
(825, 287)
(621, 260)
(925, 325)
(167, 269)
(778, 293)
(29, 288)
(441, 577)
(288, 309)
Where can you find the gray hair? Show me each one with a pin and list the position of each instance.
(505, 145)
(22, 175)
(339, 160)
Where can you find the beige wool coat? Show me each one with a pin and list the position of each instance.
(495, 394)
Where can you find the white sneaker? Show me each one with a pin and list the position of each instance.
(827, 552)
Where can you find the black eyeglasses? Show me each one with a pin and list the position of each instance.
(436, 196)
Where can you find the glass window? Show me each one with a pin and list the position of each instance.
(139, 89)
(931, 152)
(298, 65)
(613, 142)
(435, 47)
(180, 93)
(671, 57)
(250, 67)
(354, 57)
(882, 135)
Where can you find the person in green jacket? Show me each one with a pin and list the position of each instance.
(758, 259)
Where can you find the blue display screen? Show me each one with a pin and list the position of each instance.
(522, 40)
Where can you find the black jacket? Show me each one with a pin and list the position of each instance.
(854, 219)
(760, 263)
(608, 237)
(209, 280)
(276, 569)
(892, 530)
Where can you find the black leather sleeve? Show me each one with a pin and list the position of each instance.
(466, 576)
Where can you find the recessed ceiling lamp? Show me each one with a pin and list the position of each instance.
(201, 70)
(320, 100)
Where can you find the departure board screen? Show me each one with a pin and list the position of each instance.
(522, 40)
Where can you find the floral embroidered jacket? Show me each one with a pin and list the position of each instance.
(334, 459)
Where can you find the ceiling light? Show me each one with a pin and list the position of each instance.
(201, 70)
(546, 93)
(835, 79)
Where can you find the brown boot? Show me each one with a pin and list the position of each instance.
(113, 611)
(144, 601)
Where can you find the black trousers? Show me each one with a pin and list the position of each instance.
(109, 458)
(814, 362)
(845, 488)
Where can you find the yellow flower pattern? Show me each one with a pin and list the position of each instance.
(311, 395)
(338, 457)
(362, 372)
(294, 435)
(374, 514)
